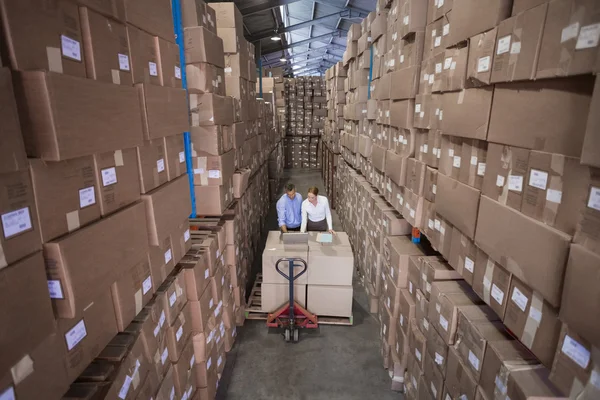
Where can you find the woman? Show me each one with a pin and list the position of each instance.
(316, 215)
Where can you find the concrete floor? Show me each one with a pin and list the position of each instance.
(332, 362)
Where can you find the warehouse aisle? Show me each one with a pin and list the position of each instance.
(333, 362)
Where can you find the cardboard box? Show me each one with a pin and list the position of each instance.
(205, 78)
(433, 378)
(106, 48)
(516, 121)
(12, 153)
(111, 8)
(178, 334)
(433, 269)
(451, 156)
(203, 46)
(498, 229)
(48, 40)
(165, 208)
(491, 282)
(66, 194)
(18, 211)
(210, 140)
(586, 234)
(163, 111)
(240, 182)
(152, 164)
(237, 65)
(481, 58)
(467, 113)
(154, 17)
(183, 371)
(505, 171)
(56, 126)
(132, 291)
(24, 285)
(518, 46)
(68, 257)
(437, 350)
(470, 18)
(417, 343)
(213, 199)
(210, 109)
(169, 66)
(415, 176)
(167, 385)
(405, 83)
(144, 56)
(407, 311)
(454, 69)
(48, 377)
(591, 140)
(231, 39)
(118, 179)
(175, 149)
(472, 170)
(397, 252)
(85, 335)
(196, 13)
(330, 266)
(458, 203)
(214, 170)
(329, 300)
(463, 254)
(228, 16)
(579, 286)
(533, 321)
(459, 378)
(161, 261)
(275, 295)
(477, 326)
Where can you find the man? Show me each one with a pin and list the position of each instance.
(289, 208)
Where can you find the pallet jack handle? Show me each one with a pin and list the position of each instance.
(290, 276)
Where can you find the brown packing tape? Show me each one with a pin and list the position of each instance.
(119, 158)
(487, 277)
(22, 369)
(532, 324)
(555, 185)
(73, 220)
(138, 301)
(3, 262)
(201, 170)
(54, 59)
(514, 57)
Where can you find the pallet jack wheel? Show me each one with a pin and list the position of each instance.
(287, 334)
(296, 334)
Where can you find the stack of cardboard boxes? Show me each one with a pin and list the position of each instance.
(480, 131)
(306, 104)
(325, 288)
(99, 110)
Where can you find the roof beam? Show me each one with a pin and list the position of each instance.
(253, 7)
(324, 37)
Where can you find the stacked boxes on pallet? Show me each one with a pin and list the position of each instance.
(480, 132)
(101, 114)
(306, 105)
(325, 289)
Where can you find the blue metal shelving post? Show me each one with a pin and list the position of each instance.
(370, 71)
(176, 7)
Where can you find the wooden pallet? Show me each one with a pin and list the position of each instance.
(254, 308)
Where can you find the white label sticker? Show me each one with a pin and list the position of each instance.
(483, 64)
(87, 197)
(538, 179)
(515, 183)
(153, 69)
(147, 285)
(70, 48)
(589, 36)
(181, 157)
(535, 314)
(410, 287)
(123, 62)
(214, 174)
(570, 32)
(401, 58)
(405, 20)
(160, 165)
(438, 225)
(164, 356)
(439, 359)
(18, 221)
(499, 181)
(503, 45)
(168, 256)
(445, 29)
(593, 201)
(172, 299)
(125, 388)
(519, 299)
(431, 79)
(456, 162)
(186, 235)
(55, 289)
(444, 322)
(8, 394)
(177, 72)
(209, 363)
(412, 213)
(447, 62)
(438, 68)
(481, 169)
(161, 320)
(434, 189)
(497, 294)
(553, 196)
(426, 324)
(401, 320)
(515, 48)
(473, 160)
(433, 390)
(469, 264)
(414, 382)
(433, 33)
(179, 333)
(418, 354)
(430, 224)
(109, 176)
(474, 360)
(575, 351)
(206, 275)
(75, 335)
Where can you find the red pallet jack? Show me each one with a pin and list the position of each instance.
(292, 316)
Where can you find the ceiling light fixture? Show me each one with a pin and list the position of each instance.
(282, 59)
(296, 67)
(275, 38)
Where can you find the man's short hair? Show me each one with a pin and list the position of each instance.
(289, 187)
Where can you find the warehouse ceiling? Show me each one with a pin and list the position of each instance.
(312, 33)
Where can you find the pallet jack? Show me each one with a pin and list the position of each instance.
(291, 316)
